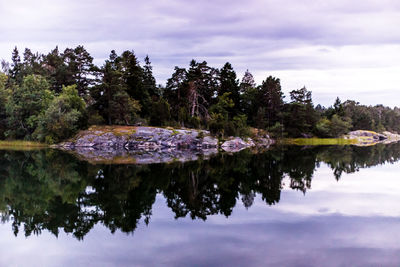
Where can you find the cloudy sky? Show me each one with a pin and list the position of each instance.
(349, 49)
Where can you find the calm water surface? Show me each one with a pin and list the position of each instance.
(290, 206)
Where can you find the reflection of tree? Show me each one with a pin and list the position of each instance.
(34, 187)
(299, 165)
(50, 190)
(351, 159)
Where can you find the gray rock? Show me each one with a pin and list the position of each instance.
(373, 135)
(236, 144)
(104, 155)
(209, 142)
(144, 138)
(150, 144)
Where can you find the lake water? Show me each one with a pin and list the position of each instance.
(289, 206)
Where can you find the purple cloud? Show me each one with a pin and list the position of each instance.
(267, 37)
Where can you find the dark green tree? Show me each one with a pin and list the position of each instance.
(4, 93)
(133, 77)
(228, 83)
(111, 97)
(160, 113)
(300, 116)
(16, 67)
(149, 82)
(270, 97)
(249, 101)
(79, 69)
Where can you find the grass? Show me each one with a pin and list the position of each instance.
(318, 141)
(21, 145)
(115, 129)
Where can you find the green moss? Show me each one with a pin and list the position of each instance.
(21, 145)
(318, 141)
(115, 130)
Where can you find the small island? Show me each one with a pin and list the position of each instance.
(64, 100)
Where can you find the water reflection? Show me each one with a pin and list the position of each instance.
(53, 191)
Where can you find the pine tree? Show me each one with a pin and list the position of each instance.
(112, 100)
(149, 82)
(16, 67)
(79, 69)
(132, 75)
(270, 96)
(56, 70)
(248, 102)
(247, 82)
(230, 84)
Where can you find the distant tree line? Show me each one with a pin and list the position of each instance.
(49, 97)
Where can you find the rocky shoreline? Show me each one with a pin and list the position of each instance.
(367, 138)
(144, 145)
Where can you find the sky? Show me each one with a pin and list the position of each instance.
(349, 49)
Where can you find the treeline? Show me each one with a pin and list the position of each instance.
(48, 97)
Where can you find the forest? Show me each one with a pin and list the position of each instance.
(49, 97)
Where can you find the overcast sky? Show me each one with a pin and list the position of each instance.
(349, 49)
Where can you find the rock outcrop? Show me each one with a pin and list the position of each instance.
(363, 137)
(142, 138)
(144, 145)
(369, 134)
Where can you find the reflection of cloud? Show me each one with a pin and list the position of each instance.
(366, 193)
(331, 240)
(263, 36)
(349, 222)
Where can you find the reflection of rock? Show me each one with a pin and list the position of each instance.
(391, 137)
(236, 144)
(127, 144)
(111, 155)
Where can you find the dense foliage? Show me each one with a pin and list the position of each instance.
(48, 97)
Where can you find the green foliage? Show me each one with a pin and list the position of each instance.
(160, 113)
(299, 116)
(4, 93)
(334, 127)
(183, 115)
(64, 117)
(339, 126)
(240, 125)
(277, 130)
(26, 104)
(323, 128)
(270, 96)
(133, 81)
(194, 122)
(219, 123)
(230, 84)
(94, 118)
(112, 97)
